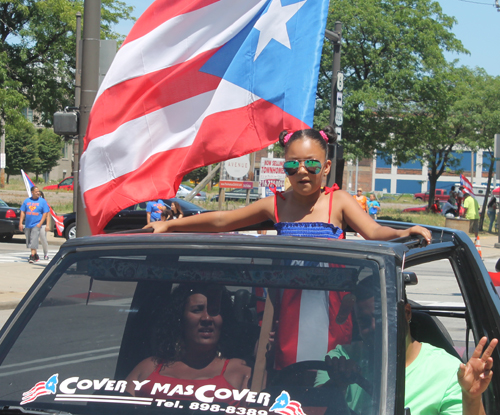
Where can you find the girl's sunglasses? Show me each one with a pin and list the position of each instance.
(292, 166)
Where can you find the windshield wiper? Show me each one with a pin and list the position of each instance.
(15, 410)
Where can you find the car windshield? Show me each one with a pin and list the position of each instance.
(3, 204)
(125, 330)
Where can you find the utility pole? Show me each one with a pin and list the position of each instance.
(78, 87)
(2, 152)
(90, 85)
(335, 153)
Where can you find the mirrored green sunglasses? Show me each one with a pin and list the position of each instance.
(292, 166)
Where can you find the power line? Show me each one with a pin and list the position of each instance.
(477, 2)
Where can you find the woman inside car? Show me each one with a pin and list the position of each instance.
(192, 349)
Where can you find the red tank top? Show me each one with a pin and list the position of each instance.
(166, 387)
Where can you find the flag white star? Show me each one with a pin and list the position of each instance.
(272, 24)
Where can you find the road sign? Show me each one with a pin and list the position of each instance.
(339, 116)
(340, 81)
(338, 131)
(339, 99)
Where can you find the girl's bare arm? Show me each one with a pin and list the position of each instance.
(220, 221)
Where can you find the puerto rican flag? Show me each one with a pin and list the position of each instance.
(48, 387)
(58, 220)
(467, 185)
(283, 405)
(197, 82)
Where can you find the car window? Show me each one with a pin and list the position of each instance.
(438, 295)
(3, 204)
(66, 182)
(103, 315)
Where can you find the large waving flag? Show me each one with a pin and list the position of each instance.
(197, 82)
(58, 220)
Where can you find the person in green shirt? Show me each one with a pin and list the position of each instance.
(435, 381)
(471, 212)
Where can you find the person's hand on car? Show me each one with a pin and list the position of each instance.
(158, 226)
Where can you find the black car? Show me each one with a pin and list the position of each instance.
(106, 303)
(9, 221)
(133, 217)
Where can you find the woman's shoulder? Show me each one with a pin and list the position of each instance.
(238, 373)
(238, 366)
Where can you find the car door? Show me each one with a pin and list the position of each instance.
(133, 217)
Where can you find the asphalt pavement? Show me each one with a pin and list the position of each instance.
(17, 276)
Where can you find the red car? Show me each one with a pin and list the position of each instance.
(64, 184)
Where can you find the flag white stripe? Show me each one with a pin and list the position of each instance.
(312, 342)
(106, 158)
(180, 39)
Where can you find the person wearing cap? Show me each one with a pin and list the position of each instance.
(471, 212)
(361, 199)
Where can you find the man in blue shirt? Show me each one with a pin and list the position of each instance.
(154, 210)
(34, 211)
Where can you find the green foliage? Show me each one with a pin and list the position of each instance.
(20, 147)
(388, 48)
(198, 175)
(49, 146)
(37, 49)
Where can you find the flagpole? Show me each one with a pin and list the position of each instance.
(90, 85)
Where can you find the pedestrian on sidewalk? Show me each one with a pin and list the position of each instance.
(373, 206)
(34, 211)
(492, 211)
(471, 212)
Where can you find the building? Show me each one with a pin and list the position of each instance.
(376, 174)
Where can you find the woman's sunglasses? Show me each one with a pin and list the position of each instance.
(292, 166)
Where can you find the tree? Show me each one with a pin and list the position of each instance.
(20, 147)
(37, 42)
(483, 107)
(197, 175)
(49, 146)
(388, 48)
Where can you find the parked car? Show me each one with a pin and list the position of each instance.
(96, 310)
(440, 195)
(9, 221)
(239, 194)
(420, 209)
(133, 217)
(184, 190)
(64, 184)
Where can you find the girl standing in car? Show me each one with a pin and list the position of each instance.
(304, 210)
(305, 205)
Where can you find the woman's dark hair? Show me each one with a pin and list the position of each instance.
(167, 213)
(492, 201)
(178, 208)
(168, 342)
(312, 134)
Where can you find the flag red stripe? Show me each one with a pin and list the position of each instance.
(148, 93)
(161, 11)
(165, 170)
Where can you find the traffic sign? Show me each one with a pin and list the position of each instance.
(339, 99)
(340, 81)
(339, 116)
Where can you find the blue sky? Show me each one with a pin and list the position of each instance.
(478, 27)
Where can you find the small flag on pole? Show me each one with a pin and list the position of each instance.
(467, 185)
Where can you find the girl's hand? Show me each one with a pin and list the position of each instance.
(475, 376)
(420, 230)
(159, 226)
